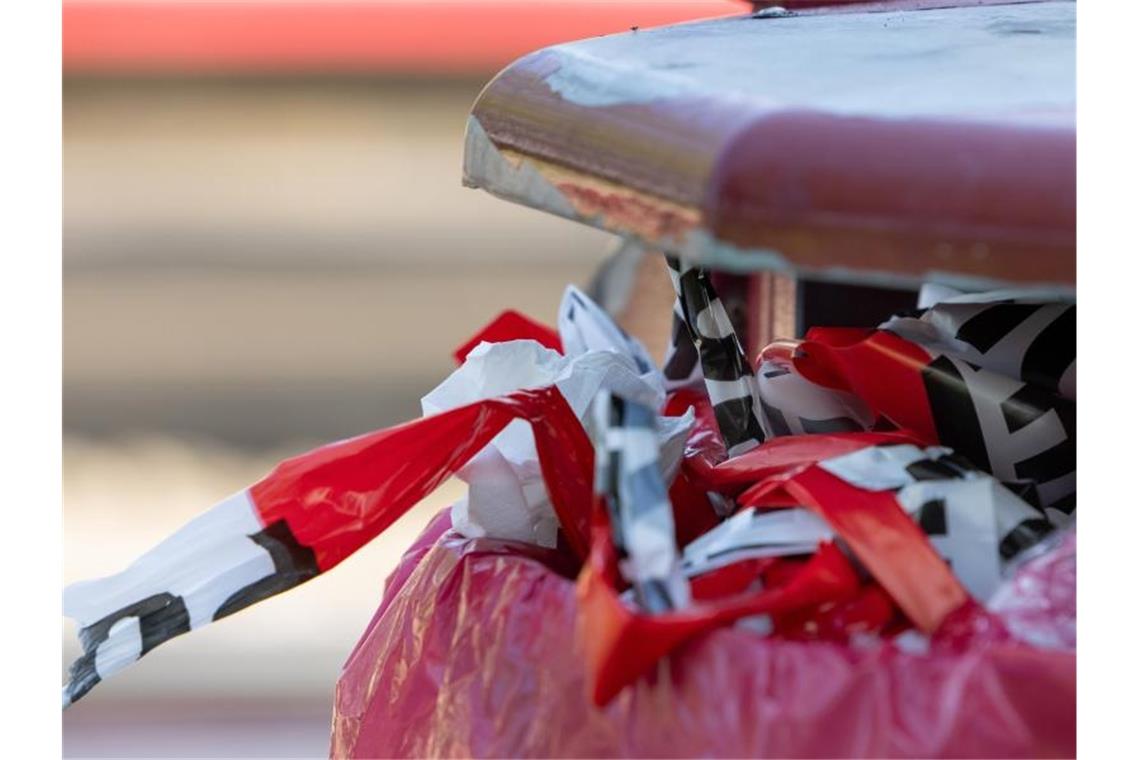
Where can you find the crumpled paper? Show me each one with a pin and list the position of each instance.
(507, 498)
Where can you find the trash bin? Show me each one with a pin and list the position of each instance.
(817, 498)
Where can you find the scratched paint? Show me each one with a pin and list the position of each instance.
(589, 81)
(559, 191)
(485, 166)
(1009, 65)
(1014, 63)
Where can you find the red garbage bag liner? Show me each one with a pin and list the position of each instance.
(1039, 603)
(474, 652)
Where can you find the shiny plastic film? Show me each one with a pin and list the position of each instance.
(425, 682)
(726, 369)
(818, 553)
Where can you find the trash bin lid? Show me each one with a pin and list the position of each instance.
(887, 142)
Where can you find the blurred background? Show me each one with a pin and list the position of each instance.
(266, 247)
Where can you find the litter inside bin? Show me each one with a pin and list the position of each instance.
(706, 559)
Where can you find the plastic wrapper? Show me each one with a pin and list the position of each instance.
(474, 653)
(1013, 333)
(990, 379)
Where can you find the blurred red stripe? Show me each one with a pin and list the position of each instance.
(400, 36)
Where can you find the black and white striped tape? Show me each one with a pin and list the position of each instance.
(222, 561)
(630, 481)
(726, 369)
(972, 520)
(793, 405)
(755, 534)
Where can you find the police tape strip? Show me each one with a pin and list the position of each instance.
(726, 369)
(630, 482)
(304, 518)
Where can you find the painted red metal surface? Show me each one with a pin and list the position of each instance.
(978, 199)
(400, 36)
(884, 142)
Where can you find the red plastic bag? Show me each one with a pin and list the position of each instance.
(474, 653)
